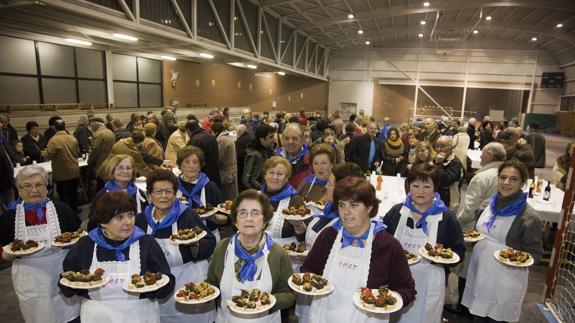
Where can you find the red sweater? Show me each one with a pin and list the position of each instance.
(388, 263)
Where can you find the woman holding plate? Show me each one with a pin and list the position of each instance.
(251, 259)
(494, 291)
(35, 276)
(314, 186)
(423, 218)
(346, 254)
(121, 249)
(188, 262)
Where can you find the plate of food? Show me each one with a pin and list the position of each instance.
(196, 293)
(187, 236)
(67, 239)
(439, 254)
(412, 258)
(296, 249)
(251, 302)
(380, 301)
(149, 282)
(183, 199)
(23, 248)
(473, 236)
(226, 207)
(317, 204)
(513, 257)
(296, 213)
(310, 284)
(205, 212)
(84, 279)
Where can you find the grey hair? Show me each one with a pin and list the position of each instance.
(172, 102)
(295, 125)
(497, 150)
(83, 120)
(447, 140)
(31, 171)
(241, 129)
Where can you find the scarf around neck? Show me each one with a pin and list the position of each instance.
(112, 186)
(194, 195)
(39, 207)
(287, 191)
(436, 208)
(172, 217)
(292, 160)
(249, 268)
(97, 235)
(348, 238)
(312, 179)
(512, 209)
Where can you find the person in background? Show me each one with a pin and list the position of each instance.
(393, 155)
(131, 146)
(248, 120)
(228, 121)
(461, 145)
(452, 172)
(413, 141)
(385, 129)
(296, 152)
(103, 140)
(302, 117)
(169, 116)
(83, 134)
(50, 131)
(7, 168)
(329, 137)
(430, 132)
(307, 140)
(486, 134)
(243, 140)
(34, 142)
(119, 130)
(537, 142)
(518, 148)
(109, 118)
(227, 161)
(209, 145)
(424, 153)
(365, 150)
(178, 140)
(453, 128)
(19, 157)
(162, 133)
(561, 168)
(404, 132)
(259, 150)
(150, 145)
(471, 132)
(314, 186)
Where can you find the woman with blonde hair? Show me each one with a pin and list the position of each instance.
(424, 153)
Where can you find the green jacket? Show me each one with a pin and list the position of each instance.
(280, 267)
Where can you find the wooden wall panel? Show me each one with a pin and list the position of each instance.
(393, 101)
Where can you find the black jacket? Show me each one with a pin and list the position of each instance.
(450, 174)
(359, 151)
(83, 134)
(7, 170)
(242, 144)
(208, 144)
(33, 148)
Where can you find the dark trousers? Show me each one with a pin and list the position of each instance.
(68, 192)
(460, 288)
(478, 319)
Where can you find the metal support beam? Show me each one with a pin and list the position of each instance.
(532, 86)
(270, 39)
(259, 35)
(240, 10)
(195, 18)
(233, 24)
(126, 10)
(219, 23)
(181, 17)
(136, 5)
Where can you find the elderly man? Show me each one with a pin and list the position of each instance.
(177, 141)
(83, 134)
(169, 116)
(102, 142)
(452, 171)
(48, 133)
(131, 146)
(248, 120)
(209, 145)
(537, 143)
(296, 152)
(365, 150)
(338, 124)
(162, 134)
(430, 132)
(471, 132)
(63, 151)
(516, 146)
(34, 142)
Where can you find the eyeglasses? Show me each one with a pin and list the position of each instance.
(30, 187)
(162, 191)
(242, 214)
(120, 217)
(276, 174)
(124, 169)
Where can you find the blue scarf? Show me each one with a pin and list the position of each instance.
(287, 191)
(31, 207)
(348, 238)
(112, 186)
(283, 152)
(436, 208)
(173, 215)
(310, 179)
(98, 237)
(512, 209)
(194, 196)
(329, 212)
(249, 268)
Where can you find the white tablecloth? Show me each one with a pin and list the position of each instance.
(48, 166)
(549, 211)
(475, 157)
(392, 192)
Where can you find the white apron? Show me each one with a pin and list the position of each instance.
(429, 278)
(215, 232)
(170, 311)
(35, 277)
(111, 304)
(275, 226)
(493, 289)
(348, 268)
(230, 286)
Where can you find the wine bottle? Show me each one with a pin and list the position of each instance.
(547, 193)
(531, 189)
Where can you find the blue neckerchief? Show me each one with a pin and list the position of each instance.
(310, 179)
(194, 196)
(98, 237)
(514, 208)
(112, 186)
(329, 212)
(348, 238)
(436, 208)
(249, 268)
(287, 191)
(283, 152)
(371, 152)
(173, 215)
(31, 207)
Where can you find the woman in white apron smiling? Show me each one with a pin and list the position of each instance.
(424, 218)
(35, 277)
(346, 253)
(121, 250)
(120, 175)
(314, 186)
(494, 292)
(196, 187)
(251, 259)
(188, 263)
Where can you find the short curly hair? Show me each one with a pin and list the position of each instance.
(112, 204)
(188, 151)
(356, 189)
(323, 149)
(254, 195)
(274, 161)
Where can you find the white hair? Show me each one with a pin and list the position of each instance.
(31, 171)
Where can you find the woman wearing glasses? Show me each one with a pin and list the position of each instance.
(163, 217)
(314, 186)
(35, 276)
(118, 171)
(121, 249)
(251, 259)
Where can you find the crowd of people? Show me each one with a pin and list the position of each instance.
(266, 164)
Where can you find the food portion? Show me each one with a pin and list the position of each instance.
(21, 245)
(381, 299)
(83, 278)
(514, 256)
(226, 206)
(411, 257)
(293, 247)
(439, 251)
(293, 211)
(149, 279)
(69, 237)
(251, 300)
(204, 210)
(472, 235)
(196, 293)
(309, 283)
(187, 234)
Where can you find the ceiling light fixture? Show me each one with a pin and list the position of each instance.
(422, 22)
(360, 31)
(420, 35)
(488, 18)
(367, 42)
(533, 38)
(125, 37)
(476, 31)
(253, 67)
(79, 42)
(282, 73)
(168, 58)
(206, 55)
(426, 4)
(559, 25)
(350, 16)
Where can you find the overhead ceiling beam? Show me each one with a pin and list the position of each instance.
(272, 3)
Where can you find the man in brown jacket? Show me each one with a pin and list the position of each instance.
(177, 141)
(63, 151)
(131, 146)
(102, 142)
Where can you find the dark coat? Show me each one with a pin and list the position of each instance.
(33, 148)
(209, 145)
(450, 174)
(242, 144)
(359, 151)
(83, 134)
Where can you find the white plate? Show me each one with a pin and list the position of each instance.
(207, 214)
(372, 309)
(224, 211)
(257, 310)
(199, 301)
(297, 217)
(528, 263)
(317, 206)
(67, 283)
(189, 241)
(481, 237)
(26, 252)
(439, 260)
(148, 288)
(67, 244)
(326, 290)
(297, 254)
(414, 261)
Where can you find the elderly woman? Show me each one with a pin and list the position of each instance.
(355, 252)
(121, 249)
(35, 276)
(119, 173)
(423, 218)
(494, 291)
(394, 154)
(313, 187)
(163, 217)
(251, 259)
(195, 186)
